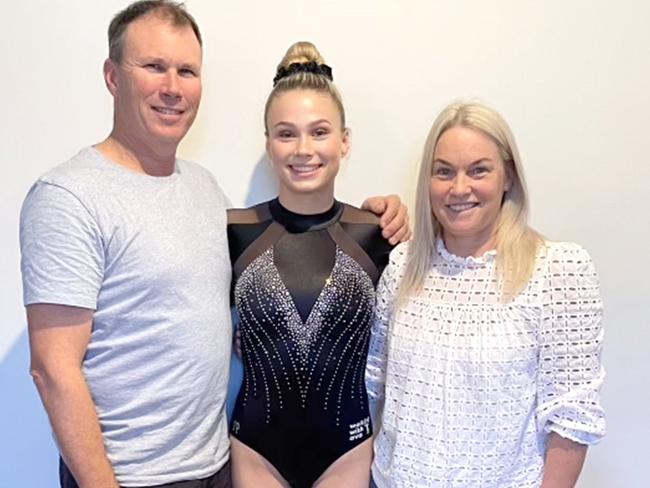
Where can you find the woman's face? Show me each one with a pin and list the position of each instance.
(468, 180)
(306, 143)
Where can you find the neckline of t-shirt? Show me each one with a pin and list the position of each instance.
(134, 174)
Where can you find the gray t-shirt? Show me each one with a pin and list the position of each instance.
(150, 256)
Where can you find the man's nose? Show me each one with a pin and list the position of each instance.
(171, 85)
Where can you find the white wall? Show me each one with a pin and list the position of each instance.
(572, 78)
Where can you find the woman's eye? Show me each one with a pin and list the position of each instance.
(442, 172)
(321, 132)
(478, 171)
(285, 134)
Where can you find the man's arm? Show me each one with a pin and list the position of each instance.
(564, 459)
(394, 219)
(58, 338)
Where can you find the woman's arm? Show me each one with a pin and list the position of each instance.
(570, 369)
(377, 364)
(564, 460)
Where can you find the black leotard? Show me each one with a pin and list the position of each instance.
(303, 286)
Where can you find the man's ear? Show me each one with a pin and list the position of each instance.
(110, 76)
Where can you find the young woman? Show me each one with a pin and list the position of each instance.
(486, 349)
(304, 273)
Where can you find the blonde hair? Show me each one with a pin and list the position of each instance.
(303, 52)
(516, 242)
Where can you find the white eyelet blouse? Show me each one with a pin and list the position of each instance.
(471, 387)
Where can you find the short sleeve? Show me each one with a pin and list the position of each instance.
(226, 201)
(387, 290)
(62, 257)
(571, 339)
(227, 204)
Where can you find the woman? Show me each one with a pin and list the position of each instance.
(486, 348)
(304, 272)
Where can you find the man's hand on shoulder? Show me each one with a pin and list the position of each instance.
(394, 219)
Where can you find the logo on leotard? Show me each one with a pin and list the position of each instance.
(235, 427)
(359, 429)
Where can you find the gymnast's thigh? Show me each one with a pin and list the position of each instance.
(251, 470)
(351, 470)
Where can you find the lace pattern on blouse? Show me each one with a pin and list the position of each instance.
(471, 386)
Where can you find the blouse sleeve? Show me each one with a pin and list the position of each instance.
(571, 336)
(387, 289)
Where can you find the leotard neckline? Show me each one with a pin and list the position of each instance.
(297, 223)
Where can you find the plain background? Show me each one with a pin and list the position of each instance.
(571, 77)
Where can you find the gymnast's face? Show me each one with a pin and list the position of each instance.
(305, 144)
(468, 180)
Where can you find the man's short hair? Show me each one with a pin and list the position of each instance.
(174, 12)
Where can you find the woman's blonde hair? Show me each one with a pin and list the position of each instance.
(516, 242)
(303, 53)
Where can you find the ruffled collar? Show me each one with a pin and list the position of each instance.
(470, 261)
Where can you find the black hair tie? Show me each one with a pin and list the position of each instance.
(310, 67)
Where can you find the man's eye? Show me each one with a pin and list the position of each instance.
(187, 72)
(154, 67)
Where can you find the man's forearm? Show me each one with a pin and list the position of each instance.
(564, 460)
(72, 414)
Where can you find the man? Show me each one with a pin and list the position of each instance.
(126, 277)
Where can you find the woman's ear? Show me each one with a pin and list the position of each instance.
(345, 143)
(510, 176)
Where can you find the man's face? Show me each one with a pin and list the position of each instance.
(157, 85)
